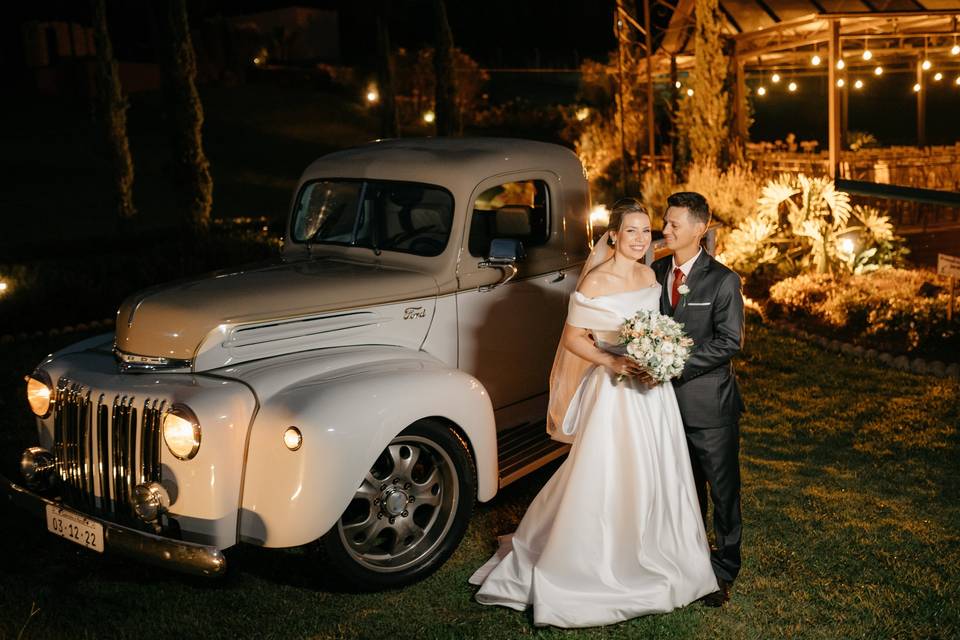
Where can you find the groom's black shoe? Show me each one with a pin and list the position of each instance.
(719, 597)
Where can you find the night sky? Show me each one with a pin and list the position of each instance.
(500, 34)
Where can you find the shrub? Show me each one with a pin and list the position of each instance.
(886, 308)
(732, 194)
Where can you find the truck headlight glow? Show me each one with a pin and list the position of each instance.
(39, 393)
(181, 431)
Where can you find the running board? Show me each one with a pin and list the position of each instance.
(526, 448)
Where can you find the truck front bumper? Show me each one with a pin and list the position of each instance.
(186, 557)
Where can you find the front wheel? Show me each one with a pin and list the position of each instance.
(409, 512)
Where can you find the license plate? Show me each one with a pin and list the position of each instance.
(75, 528)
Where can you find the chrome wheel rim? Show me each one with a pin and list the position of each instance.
(404, 506)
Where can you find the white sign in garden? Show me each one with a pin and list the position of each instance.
(949, 267)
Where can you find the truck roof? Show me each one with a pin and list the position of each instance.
(455, 163)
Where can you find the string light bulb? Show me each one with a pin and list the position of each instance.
(775, 78)
(938, 76)
(955, 50)
(840, 83)
(815, 60)
(867, 54)
(761, 91)
(957, 81)
(689, 92)
(841, 64)
(792, 87)
(916, 88)
(926, 64)
(858, 84)
(878, 70)
(677, 84)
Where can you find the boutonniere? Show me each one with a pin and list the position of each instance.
(683, 290)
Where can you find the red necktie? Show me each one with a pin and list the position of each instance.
(675, 289)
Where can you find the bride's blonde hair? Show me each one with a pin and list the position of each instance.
(622, 207)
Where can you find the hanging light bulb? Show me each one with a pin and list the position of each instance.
(840, 83)
(957, 81)
(677, 84)
(938, 76)
(841, 64)
(867, 54)
(925, 65)
(775, 78)
(815, 60)
(792, 87)
(689, 92)
(761, 91)
(858, 84)
(916, 88)
(955, 50)
(878, 70)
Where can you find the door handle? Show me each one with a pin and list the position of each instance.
(561, 276)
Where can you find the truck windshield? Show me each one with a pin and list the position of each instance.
(380, 215)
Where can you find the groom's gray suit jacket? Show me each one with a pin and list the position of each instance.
(712, 314)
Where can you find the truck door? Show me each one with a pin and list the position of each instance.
(508, 335)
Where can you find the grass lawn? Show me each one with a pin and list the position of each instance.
(852, 530)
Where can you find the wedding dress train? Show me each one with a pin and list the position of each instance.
(616, 532)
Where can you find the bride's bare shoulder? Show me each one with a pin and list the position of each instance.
(646, 274)
(597, 283)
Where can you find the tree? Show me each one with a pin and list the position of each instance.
(185, 116)
(446, 111)
(111, 106)
(389, 124)
(702, 122)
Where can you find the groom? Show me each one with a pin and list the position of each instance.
(705, 296)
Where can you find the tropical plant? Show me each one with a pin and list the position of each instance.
(805, 224)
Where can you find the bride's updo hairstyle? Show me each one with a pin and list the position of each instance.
(622, 207)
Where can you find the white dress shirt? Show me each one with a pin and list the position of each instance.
(684, 268)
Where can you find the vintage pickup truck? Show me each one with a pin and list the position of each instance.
(362, 391)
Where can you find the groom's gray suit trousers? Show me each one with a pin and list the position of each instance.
(714, 454)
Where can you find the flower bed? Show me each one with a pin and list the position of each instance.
(897, 310)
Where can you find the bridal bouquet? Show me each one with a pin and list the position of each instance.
(657, 343)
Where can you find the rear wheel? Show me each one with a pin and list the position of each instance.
(409, 512)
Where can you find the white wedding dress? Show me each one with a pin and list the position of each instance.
(616, 532)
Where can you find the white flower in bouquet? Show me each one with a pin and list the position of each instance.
(657, 343)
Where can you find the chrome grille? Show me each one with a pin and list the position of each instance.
(101, 447)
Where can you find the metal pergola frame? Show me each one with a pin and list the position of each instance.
(787, 44)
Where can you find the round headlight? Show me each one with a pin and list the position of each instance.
(181, 431)
(39, 393)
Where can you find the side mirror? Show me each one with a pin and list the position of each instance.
(504, 254)
(505, 250)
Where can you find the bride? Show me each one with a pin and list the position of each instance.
(616, 532)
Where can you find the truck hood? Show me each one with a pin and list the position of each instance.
(274, 308)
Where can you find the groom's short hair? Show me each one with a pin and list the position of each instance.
(693, 202)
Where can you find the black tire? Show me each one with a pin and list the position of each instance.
(372, 553)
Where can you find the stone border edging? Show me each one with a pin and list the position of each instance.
(902, 363)
(23, 336)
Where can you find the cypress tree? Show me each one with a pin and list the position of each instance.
(702, 121)
(111, 107)
(389, 124)
(446, 110)
(185, 116)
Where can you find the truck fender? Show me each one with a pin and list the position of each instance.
(346, 419)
